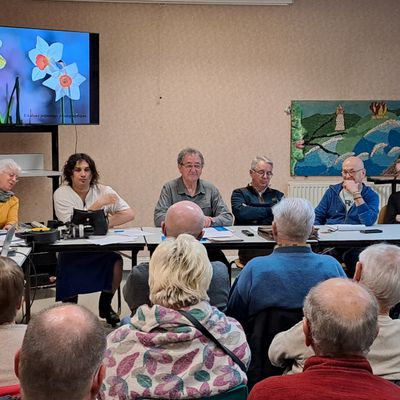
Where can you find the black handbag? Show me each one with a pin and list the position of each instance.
(96, 218)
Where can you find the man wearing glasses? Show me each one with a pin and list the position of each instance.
(190, 187)
(349, 202)
(251, 205)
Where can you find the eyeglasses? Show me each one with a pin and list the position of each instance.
(262, 173)
(12, 175)
(351, 172)
(190, 166)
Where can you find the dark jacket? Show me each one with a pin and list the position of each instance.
(251, 209)
(393, 208)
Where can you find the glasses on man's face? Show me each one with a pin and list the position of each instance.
(197, 167)
(351, 172)
(262, 173)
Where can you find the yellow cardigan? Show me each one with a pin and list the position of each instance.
(9, 212)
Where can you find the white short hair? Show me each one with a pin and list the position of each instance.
(10, 164)
(381, 272)
(258, 159)
(294, 217)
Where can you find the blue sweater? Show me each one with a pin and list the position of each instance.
(281, 279)
(331, 209)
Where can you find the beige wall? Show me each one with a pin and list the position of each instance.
(213, 77)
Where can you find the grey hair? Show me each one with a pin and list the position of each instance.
(59, 359)
(10, 164)
(294, 217)
(189, 150)
(179, 273)
(381, 272)
(335, 332)
(257, 159)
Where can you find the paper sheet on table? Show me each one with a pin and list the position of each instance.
(216, 233)
(225, 239)
(341, 227)
(132, 232)
(111, 239)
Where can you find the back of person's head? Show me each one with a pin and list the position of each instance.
(184, 217)
(381, 273)
(11, 289)
(61, 355)
(342, 317)
(294, 217)
(179, 273)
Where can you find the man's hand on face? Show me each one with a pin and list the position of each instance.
(351, 186)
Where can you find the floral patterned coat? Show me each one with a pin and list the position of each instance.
(160, 354)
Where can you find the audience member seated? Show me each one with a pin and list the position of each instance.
(283, 278)
(252, 205)
(393, 205)
(9, 204)
(348, 202)
(11, 334)
(61, 355)
(103, 270)
(182, 217)
(341, 322)
(379, 270)
(160, 354)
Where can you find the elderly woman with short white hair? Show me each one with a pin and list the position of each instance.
(164, 354)
(9, 203)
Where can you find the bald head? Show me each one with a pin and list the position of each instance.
(342, 318)
(184, 217)
(353, 169)
(62, 349)
(353, 162)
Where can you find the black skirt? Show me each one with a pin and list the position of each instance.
(80, 273)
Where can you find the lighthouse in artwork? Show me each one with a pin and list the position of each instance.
(339, 118)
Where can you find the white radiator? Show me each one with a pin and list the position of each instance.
(314, 190)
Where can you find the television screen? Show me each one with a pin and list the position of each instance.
(48, 77)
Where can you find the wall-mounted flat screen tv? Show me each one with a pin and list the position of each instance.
(48, 77)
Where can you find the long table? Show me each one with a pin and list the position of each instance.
(154, 237)
(83, 245)
(390, 234)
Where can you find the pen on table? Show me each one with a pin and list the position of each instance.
(118, 231)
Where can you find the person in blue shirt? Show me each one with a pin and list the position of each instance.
(348, 202)
(283, 278)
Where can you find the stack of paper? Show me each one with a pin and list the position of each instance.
(220, 234)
